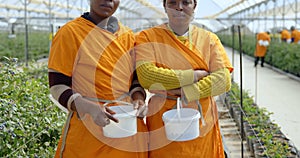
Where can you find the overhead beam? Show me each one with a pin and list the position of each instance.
(270, 12)
(249, 7)
(21, 8)
(57, 4)
(132, 11)
(147, 4)
(224, 10)
(72, 7)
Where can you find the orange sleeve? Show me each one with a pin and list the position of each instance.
(63, 51)
(219, 58)
(145, 46)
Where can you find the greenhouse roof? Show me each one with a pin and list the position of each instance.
(212, 14)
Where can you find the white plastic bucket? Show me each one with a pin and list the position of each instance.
(184, 127)
(126, 126)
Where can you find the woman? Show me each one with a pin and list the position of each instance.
(263, 40)
(285, 35)
(177, 59)
(295, 35)
(90, 64)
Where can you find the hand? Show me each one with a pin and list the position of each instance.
(101, 114)
(199, 74)
(141, 108)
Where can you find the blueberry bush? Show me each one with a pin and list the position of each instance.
(30, 124)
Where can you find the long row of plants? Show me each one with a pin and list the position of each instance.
(30, 125)
(264, 137)
(281, 55)
(38, 45)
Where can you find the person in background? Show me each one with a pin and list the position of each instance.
(263, 41)
(295, 35)
(92, 63)
(285, 35)
(180, 60)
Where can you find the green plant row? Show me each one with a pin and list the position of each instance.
(30, 125)
(283, 56)
(280, 55)
(38, 45)
(266, 132)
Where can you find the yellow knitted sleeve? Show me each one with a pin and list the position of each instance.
(214, 84)
(152, 77)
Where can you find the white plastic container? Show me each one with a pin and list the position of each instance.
(266, 43)
(182, 127)
(127, 125)
(261, 42)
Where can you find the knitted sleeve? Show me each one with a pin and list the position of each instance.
(152, 77)
(214, 84)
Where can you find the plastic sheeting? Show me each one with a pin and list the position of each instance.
(58, 12)
(216, 15)
(257, 15)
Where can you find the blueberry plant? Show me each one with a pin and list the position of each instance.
(30, 124)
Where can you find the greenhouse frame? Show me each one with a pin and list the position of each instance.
(27, 28)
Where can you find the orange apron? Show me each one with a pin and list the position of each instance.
(285, 34)
(101, 66)
(260, 49)
(160, 46)
(296, 35)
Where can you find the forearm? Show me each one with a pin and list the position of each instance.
(214, 84)
(136, 91)
(60, 89)
(155, 78)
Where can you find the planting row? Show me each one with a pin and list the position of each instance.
(264, 137)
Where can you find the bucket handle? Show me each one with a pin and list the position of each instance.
(178, 107)
(201, 112)
(199, 108)
(106, 102)
(117, 101)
